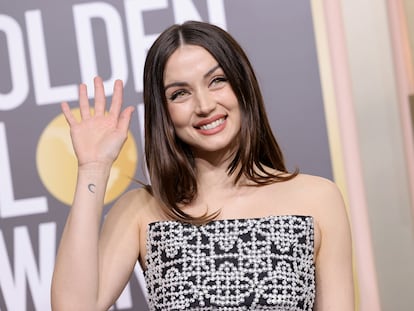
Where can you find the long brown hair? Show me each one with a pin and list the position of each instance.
(169, 160)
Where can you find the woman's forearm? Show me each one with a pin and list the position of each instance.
(76, 276)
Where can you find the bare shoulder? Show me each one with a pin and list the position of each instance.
(137, 204)
(323, 199)
(316, 187)
(317, 196)
(135, 197)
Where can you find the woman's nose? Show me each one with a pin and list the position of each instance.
(205, 103)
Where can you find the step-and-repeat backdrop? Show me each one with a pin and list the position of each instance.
(48, 47)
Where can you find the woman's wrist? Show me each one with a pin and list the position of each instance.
(95, 167)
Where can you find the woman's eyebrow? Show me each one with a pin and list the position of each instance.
(183, 84)
(173, 84)
(211, 71)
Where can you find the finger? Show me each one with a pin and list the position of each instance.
(68, 113)
(99, 97)
(84, 102)
(117, 99)
(125, 119)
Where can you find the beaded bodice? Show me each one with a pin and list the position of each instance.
(238, 264)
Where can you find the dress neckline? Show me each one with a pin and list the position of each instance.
(263, 218)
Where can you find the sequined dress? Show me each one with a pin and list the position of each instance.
(238, 264)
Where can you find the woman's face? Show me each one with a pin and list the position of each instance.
(201, 103)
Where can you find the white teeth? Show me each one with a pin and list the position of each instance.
(212, 124)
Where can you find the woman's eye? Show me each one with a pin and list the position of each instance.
(178, 94)
(218, 81)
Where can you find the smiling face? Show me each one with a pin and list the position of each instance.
(201, 103)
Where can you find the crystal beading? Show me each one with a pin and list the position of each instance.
(235, 264)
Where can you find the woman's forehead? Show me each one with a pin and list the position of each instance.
(188, 61)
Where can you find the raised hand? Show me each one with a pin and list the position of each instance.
(98, 138)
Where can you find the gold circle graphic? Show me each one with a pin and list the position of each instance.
(57, 164)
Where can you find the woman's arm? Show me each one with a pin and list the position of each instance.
(80, 269)
(334, 275)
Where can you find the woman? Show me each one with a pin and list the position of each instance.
(223, 225)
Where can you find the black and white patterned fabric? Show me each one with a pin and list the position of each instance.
(237, 264)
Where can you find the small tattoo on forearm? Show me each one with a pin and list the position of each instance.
(91, 188)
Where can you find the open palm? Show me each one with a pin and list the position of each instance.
(98, 138)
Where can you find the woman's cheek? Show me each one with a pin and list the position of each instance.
(180, 114)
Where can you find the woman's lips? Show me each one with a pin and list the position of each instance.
(210, 122)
